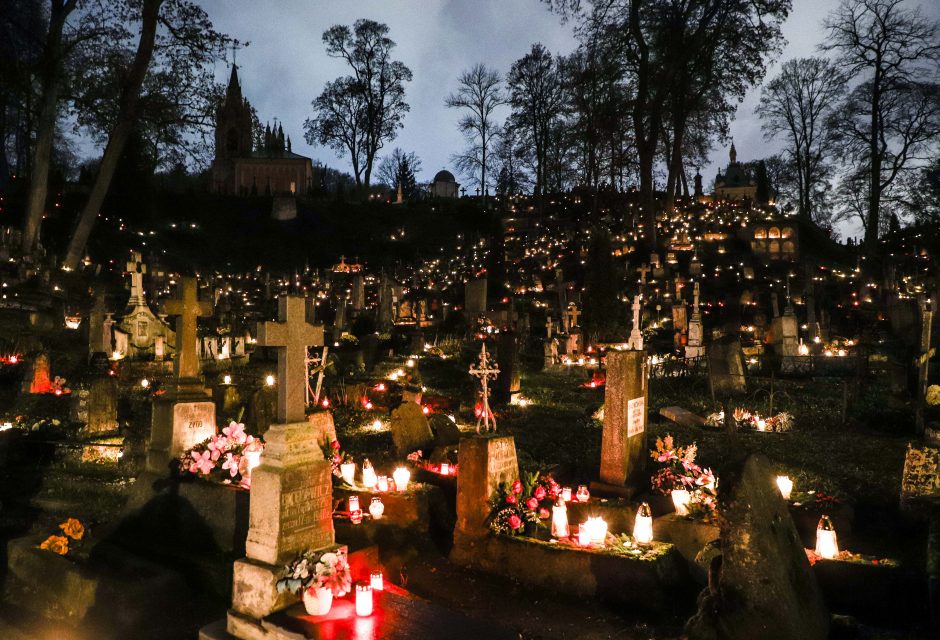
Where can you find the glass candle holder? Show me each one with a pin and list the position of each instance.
(363, 599)
(369, 479)
(560, 520)
(445, 468)
(827, 543)
(584, 535)
(377, 580)
(680, 500)
(583, 495)
(566, 494)
(382, 484)
(348, 471)
(643, 526)
(401, 477)
(785, 485)
(376, 508)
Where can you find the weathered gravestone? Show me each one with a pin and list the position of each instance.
(475, 298)
(508, 382)
(623, 442)
(920, 479)
(726, 368)
(485, 462)
(185, 414)
(100, 409)
(410, 429)
(446, 433)
(763, 586)
(37, 378)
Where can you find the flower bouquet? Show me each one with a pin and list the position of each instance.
(227, 457)
(73, 533)
(525, 502)
(317, 576)
(744, 419)
(680, 473)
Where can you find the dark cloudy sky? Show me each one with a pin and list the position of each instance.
(285, 66)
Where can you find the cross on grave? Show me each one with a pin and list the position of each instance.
(137, 269)
(636, 336)
(290, 335)
(549, 325)
(187, 308)
(573, 315)
(485, 372)
(319, 367)
(643, 270)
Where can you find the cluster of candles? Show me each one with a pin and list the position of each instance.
(364, 591)
(373, 481)
(827, 543)
(581, 495)
(594, 530)
(376, 509)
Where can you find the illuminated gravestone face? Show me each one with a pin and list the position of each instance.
(623, 441)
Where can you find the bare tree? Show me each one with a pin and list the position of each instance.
(797, 105)
(479, 93)
(893, 52)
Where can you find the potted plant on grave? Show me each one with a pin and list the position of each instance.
(317, 576)
(693, 489)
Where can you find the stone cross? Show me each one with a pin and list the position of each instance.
(485, 372)
(643, 270)
(137, 269)
(291, 336)
(573, 315)
(636, 336)
(187, 308)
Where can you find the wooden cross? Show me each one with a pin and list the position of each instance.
(319, 367)
(485, 372)
(187, 308)
(291, 336)
(643, 270)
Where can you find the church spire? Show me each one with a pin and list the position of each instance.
(733, 154)
(234, 86)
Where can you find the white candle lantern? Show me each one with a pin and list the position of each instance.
(560, 520)
(584, 535)
(566, 494)
(827, 545)
(583, 495)
(643, 526)
(376, 508)
(401, 477)
(785, 485)
(348, 471)
(382, 484)
(445, 469)
(377, 581)
(681, 499)
(355, 513)
(596, 530)
(363, 599)
(369, 479)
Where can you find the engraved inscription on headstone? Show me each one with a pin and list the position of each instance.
(193, 422)
(636, 412)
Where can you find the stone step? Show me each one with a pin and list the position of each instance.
(682, 417)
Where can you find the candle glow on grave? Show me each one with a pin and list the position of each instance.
(785, 485)
(680, 500)
(560, 520)
(376, 508)
(643, 526)
(382, 484)
(827, 545)
(596, 528)
(376, 579)
(363, 599)
(369, 479)
(348, 471)
(401, 477)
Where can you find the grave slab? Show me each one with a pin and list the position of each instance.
(682, 417)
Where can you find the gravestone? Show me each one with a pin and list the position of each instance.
(726, 368)
(485, 462)
(623, 442)
(37, 378)
(921, 476)
(101, 408)
(185, 414)
(693, 347)
(508, 382)
(410, 428)
(765, 587)
(97, 342)
(475, 298)
(358, 293)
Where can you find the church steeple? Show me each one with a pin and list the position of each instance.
(233, 122)
(733, 154)
(234, 89)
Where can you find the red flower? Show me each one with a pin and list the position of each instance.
(517, 486)
(511, 499)
(335, 444)
(543, 513)
(515, 521)
(532, 503)
(539, 492)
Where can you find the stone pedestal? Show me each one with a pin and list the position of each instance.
(484, 462)
(623, 444)
(181, 418)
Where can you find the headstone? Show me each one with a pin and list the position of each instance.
(97, 343)
(508, 382)
(726, 368)
(693, 347)
(102, 410)
(358, 293)
(185, 414)
(475, 297)
(410, 429)
(765, 587)
(921, 475)
(623, 442)
(680, 322)
(485, 462)
(339, 321)
(37, 378)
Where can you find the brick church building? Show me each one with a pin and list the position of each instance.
(245, 169)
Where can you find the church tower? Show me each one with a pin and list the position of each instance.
(233, 122)
(733, 153)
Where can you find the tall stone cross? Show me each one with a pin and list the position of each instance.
(643, 270)
(137, 269)
(187, 308)
(291, 336)
(636, 336)
(573, 315)
(485, 372)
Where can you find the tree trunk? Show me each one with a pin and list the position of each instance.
(42, 156)
(874, 191)
(127, 117)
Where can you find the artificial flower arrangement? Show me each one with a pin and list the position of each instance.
(744, 419)
(224, 457)
(73, 532)
(332, 452)
(312, 570)
(680, 472)
(525, 501)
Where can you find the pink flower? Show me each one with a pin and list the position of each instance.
(235, 432)
(511, 499)
(543, 513)
(203, 462)
(532, 503)
(517, 486)
(231, 464)
(215, 448)
(515, 522)
(335, 445)
(539, 493)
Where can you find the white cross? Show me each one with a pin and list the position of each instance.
(137, 269)
(636, 336)
(485, 372)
